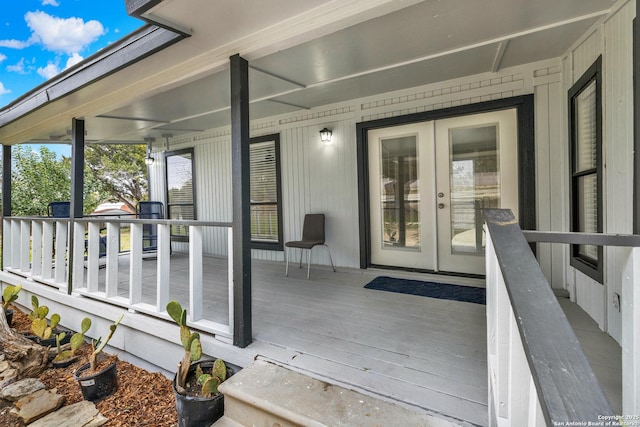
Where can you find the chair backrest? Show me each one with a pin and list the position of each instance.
(313, 228)
(150, 210)
(59, 209)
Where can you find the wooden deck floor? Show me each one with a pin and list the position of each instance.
(427, 353)
(424, 352)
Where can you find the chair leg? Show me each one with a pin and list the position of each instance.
(301, 251)
(308, 263)
(330, 259)
(286, 257)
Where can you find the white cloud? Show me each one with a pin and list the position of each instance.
(17, 44)
(50, 3)
(3, 90)
(17, 68)
(49, 71)
(63, 35)
(73, 60)
(2, 57)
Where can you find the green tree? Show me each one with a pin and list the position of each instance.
(117, 171)
(38, 177)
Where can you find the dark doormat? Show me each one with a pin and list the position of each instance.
(429, 289)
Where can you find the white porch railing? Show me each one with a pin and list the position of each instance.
(537, 372)
(28, 251)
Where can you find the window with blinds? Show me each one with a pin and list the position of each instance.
(586, 171)
(266, 211)
(180, 190)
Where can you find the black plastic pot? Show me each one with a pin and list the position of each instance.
(9, 315)
(196, 411)
(64, 363)
(97, 386)
(51, 342)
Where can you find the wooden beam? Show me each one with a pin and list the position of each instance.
(77, 187)
(6, 193)
(242, 331)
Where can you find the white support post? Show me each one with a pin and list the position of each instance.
(25, 245)
(230, 278)
(47, 250)
(62, 228)
(7, 249)
(78, 255)
(36, 248)
(93, 256)
(113, 248)
(164, 270)
(135, 262)
(630, 308)
(15, 238)
(195, 273)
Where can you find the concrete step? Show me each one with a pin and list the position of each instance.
(226, 422)
(265, 394)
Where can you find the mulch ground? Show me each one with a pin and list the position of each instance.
(142, 399)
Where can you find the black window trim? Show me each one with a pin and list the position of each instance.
(580, 263)
(279, 245)
(173, 237)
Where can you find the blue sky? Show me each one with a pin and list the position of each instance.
(40, 38)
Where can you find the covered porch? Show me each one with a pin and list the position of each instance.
(424, 353)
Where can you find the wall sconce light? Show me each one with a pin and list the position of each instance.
(149, 160)
(325, 136)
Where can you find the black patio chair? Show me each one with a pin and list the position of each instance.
(63, 210)
(312, 236)
(150, 210)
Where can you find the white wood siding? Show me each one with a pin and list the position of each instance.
(319, 178)
(613, 40)
(618, 149)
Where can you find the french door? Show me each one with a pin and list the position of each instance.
(430, 183)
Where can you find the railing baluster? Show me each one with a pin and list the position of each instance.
(93, 256)
(36, 248)
(135, 271)
(195, 273)
(7, 243)
(25, 245)
(113, 248)
(78, 256)
(61, 251)
(164, 269)
(47, 250)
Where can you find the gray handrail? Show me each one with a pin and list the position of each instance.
(568, 390)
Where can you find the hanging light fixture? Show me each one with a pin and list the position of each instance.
(149, 160)
(325, 136)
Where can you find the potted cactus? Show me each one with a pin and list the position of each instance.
(65, 358)
(44, 332)
(9, 295)
(96, 384)
(195, 385)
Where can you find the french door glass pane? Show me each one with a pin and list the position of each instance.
(474, 185)
(400, 195)
(588, 212)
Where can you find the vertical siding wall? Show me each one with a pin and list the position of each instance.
(318, 178)
(613, 40)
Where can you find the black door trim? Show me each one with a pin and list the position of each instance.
(526, 158)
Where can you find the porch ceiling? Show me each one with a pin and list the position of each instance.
(307, 53)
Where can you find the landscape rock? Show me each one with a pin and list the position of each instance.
(82, 414)
(21, 388)
(37, 405)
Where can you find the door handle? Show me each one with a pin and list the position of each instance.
(440, 205)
